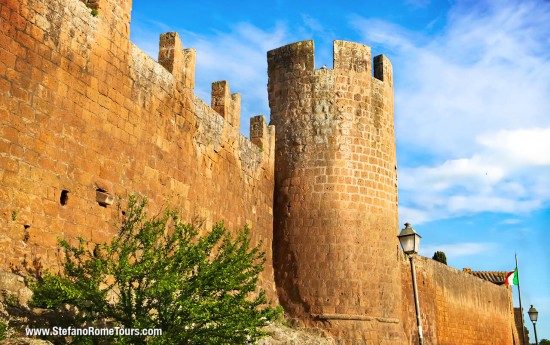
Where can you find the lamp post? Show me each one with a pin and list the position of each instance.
(410, 242)
(534, 315)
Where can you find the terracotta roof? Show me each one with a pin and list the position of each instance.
(490, 276)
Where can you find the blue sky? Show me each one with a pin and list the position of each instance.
(472, 108)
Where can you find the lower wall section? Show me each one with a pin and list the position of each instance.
(456, 308)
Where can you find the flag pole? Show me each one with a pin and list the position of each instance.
(520, 307)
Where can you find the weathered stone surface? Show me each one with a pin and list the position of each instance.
(82, 109)
(456, 308)
(279, 335)
(335, 192)
(282, 335)
(15, 286)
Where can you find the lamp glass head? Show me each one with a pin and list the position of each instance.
(533, 314)
(409, 239)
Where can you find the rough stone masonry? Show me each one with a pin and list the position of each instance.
(86, 116)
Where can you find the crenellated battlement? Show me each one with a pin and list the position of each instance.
(225, 103)
(383, 70)
(352, 56)
(298, 59)
(178, 61)
(261, 134)
(292, 60)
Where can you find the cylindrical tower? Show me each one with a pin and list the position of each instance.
(335, 244)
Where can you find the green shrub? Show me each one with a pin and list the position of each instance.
(197, 289)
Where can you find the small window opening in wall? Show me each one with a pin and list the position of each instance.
(26, 226)
(64, 198)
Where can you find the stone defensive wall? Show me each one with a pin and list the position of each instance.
(457, 308)
(335, 241)
(86, 116)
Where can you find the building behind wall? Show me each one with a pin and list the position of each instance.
(85, 113)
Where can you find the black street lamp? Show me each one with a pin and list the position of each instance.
(410, 242)
(534, 315)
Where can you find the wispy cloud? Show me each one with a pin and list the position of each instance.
(456, 250)
(510, 173)
(313, 24)
(235, 56)
(474, 100)
(487, 70)
(418, 3)
(517, 232)
(511, 221)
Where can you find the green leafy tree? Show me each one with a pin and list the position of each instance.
(160, 273)
(440, 256)
(544, 342)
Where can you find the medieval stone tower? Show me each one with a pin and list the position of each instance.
(84, 112)
(335, 220)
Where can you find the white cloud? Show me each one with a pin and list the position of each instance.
(471, 174)
(511, 221)
(487, 70)
(455, 250)
(407, 214)
(509, 174)
(476, 98)
(519, 147)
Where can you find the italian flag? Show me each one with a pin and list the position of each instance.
(512, 278)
